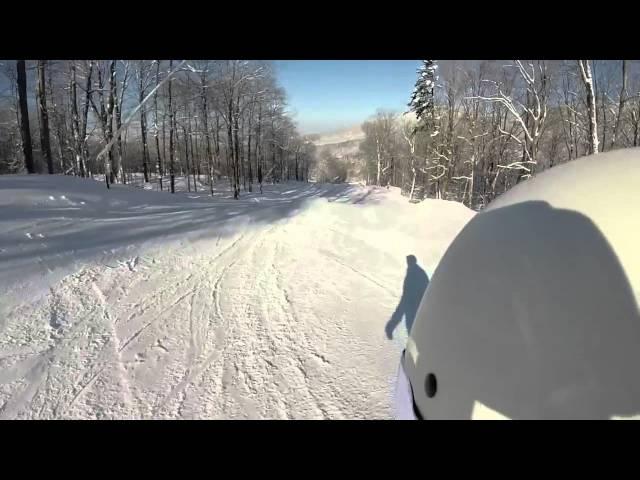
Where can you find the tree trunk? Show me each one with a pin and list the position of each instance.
(171, 133)
(123, 153)
(58, 121)
(413, 183)
(75, 122)
(186, 155)
(603, 120)
(103, 119)
(622, 100)
(205, 123)
(230, 147)
(587, 78)
(143, 126)
(273, 160)
(230, 166)
(249, 159)
(164, 141)
(302, 164)
(379, 162)
(45, 140)
(236, 148)
(85, 117)
(156, 127)
(242, 162)
(194, 168)
(24, 117)
(118, 115)
(59, 124)
(110, 175)
(472, 179)
(259, 147)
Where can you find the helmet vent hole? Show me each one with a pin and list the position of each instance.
(431, 385)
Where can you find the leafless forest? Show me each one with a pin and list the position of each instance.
(475, 129)
(471, 130)
(201, 119)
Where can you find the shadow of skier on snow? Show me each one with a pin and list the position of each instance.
(415, 284)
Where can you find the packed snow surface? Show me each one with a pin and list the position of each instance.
(132, 303)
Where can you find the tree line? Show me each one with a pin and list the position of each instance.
(204, 119)
(473, 130)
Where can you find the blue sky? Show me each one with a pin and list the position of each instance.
(327, 95)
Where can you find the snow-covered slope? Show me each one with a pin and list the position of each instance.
(139, 304)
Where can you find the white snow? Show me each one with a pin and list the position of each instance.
(143, 304)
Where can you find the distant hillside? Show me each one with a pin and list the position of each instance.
(340, 143)
(350, 134)
(344, 146)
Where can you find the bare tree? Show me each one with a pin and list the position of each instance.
(11, 152)
(205, 120)
(379, 133)
(58, 115)
(105, 113)
(44, 116)
(569, 112)
(24, 117)
(85, 114)
(587, 79)
(621, 102)
(155, 124)
(529, 115)
(119, 100)
(171, 142)
(408, 130)
(143, 74)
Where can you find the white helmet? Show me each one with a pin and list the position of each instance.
(533, 310)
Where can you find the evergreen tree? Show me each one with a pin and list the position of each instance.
(422, 98)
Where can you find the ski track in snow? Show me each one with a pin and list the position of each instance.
(283, 319)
